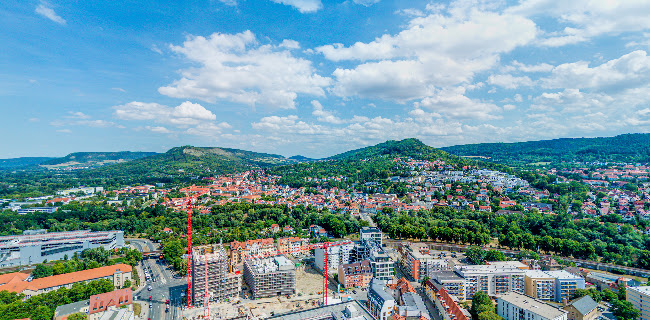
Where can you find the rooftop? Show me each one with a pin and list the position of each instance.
(535, 306)
(584, 305)
(63, 279)
(537, 274)
(339, 311)
(561, 274)
(643, 289)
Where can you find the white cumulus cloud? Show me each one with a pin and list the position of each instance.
(304, 6)
(235, 67)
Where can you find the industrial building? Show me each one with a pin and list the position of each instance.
(271, 276)
(222, 284)
(35, 246)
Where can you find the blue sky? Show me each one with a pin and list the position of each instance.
(317, 77)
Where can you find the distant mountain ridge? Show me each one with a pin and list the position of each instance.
(17, 163)
(189, 161)
(621, 148)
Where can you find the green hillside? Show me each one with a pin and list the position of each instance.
(621, 148)
(374, 163)
(188, 161)
(20, 163)
(94, 159)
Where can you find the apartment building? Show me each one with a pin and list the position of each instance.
(453, 283)
(355, 275)
(540, 285)
(293, 246)
(418, 263)
(410, 305)
(516, 306)
(381, 305)
(35, 246)
(640, 299)
(254, 248)
(270, 277)
(380, 262)
(118, 274)
(446, 304)
(372, 234)
(492, 280)
(337, 254)
(566, 284)
(221, 284)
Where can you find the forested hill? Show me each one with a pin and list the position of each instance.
(188, 161)
(96, 158)
(374, 163)
(19, 163)
(412, 147)
(621, 148)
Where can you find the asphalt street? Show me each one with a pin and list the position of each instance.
(164, 288)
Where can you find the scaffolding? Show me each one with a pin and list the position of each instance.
(222, 285)
(272, 276)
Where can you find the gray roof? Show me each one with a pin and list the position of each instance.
(446, 275)
(70, 308)
(584, 304)
(531, 305)
(339, 311)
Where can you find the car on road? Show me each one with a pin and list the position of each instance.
(150, 298)
(149, 288)
(167, 302)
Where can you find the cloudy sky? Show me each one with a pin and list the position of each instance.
(317, 77)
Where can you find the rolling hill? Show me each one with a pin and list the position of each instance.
(373, 163)
(621, 148)
(19, 163)
(93, 159)
(189, 161)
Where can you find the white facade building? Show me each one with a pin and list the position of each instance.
(337, 254)
(640, 299)
(35, 246)
(515, 306)
(492, 280)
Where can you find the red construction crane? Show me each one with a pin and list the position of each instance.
(190, 293)
(322, 245)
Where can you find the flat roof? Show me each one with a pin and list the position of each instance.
(447, 275)
(339, 311)
(538, 274)
(561, 274)
(529, 304)
(643, 289)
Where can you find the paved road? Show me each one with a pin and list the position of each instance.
(164, 288)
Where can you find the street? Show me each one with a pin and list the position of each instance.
(164, 288)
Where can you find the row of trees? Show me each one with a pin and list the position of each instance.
(553, 234)
(90, 259)
(42, 306)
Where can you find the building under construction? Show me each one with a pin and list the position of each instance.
(222, 284)
(270, 276)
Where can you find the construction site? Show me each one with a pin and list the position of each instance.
(272, 276)
(221, 284)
